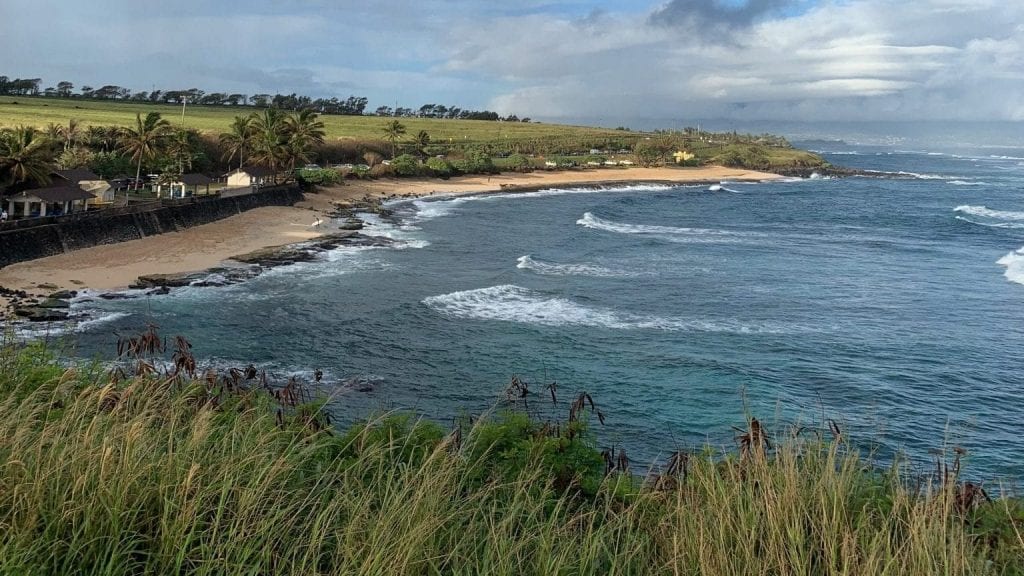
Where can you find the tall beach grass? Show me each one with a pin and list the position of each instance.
(174, 471)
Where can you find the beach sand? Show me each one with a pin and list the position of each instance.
(115, 266)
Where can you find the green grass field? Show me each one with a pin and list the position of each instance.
(39, 112)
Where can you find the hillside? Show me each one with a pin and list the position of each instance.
(29, 111)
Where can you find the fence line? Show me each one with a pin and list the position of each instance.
(131, 208)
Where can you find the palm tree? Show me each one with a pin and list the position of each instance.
(393, 131)
(421, 140)
(26, 157)
(70, 134)
(105, 138)
(304, 130)
(181, 147)
(270, 139)
(238, 139)
(144, 141)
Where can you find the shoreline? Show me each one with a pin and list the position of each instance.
(113, 267)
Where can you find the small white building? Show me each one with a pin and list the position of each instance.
(254, 176)
(185, 186)
(85, 179)
(53, 201)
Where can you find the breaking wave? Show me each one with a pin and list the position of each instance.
(512, 303)
(695, 235)
(1014, 262)
(986, 212)
(527, 262)
(444, 206)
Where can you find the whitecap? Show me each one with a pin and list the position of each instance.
(966, 183)
(1010, 225)
(444, 205)
(512, 303)
(1014, 262)
(527, 262)
(989, 213)
(921, 176)
(694, 235)
(91, 323)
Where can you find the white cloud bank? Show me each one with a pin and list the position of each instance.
(740, 59)
(857, 60)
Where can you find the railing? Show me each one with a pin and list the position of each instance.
(132, 208)
(135, 207)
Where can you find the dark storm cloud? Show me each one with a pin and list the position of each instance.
(716, 16)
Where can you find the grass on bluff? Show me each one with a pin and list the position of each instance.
(39, 112)
(142, 471)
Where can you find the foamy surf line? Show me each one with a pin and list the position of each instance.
(1014, 262)
(670, 233)
(538, 266)
(444, 205)
(986, 212)
(511, 303)
(1003, 225)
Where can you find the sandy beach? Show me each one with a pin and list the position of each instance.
(115, 266)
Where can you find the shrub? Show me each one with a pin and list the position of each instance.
(317, 176)
(405, 165)
(381, 171)
(519, 163)
(439, 167)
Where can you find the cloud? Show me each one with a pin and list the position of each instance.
(716, 16)
(550, 59)
(856, 60)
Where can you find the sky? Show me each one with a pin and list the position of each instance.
(607, 62)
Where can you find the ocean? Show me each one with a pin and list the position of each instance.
(894, 306)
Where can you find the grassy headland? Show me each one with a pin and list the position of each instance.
(349, 138)
(143, 471)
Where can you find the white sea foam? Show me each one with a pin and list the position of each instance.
(553, 269)
(512, 303)
(91, 323)
(1013, 225)
(428, 209)
(966, 183)
(920, 176)
(445, 205)
(694, 235)
(404, 235)
(1014, 262)
(989, 213)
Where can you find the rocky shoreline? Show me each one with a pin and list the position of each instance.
(51, 304)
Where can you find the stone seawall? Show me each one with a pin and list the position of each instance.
(37, 242)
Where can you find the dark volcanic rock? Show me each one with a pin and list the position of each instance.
(292, 253)
(117, 296)
(276, 256)
(39, 314)
(362, 383)
(165, 280)
(64, 294)
(351, 224)
(54, 303)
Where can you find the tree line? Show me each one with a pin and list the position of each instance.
(350, 106)
(277, 139)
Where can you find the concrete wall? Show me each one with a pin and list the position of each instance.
(24, 244)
